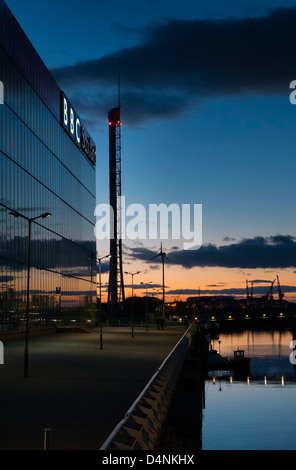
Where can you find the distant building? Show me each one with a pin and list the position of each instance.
(47, 165)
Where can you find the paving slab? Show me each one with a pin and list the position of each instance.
(75, 388)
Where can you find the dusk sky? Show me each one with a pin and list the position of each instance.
(206, 119)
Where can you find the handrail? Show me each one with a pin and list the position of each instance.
(146, 388)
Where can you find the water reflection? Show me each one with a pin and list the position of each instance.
(258, 412)
(269, 351)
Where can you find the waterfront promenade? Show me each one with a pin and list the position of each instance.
(75, 388)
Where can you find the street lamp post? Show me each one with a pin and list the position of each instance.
(132, 316)
(100, 291)
(146, 283)
(29, 220)
(163, 256)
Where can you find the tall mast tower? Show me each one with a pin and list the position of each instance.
(116, 283)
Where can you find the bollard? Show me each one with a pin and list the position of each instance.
(47, 439)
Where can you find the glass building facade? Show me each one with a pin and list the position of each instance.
(42, 169)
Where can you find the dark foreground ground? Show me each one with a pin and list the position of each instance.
(75, 388)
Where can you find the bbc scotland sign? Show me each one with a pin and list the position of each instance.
(73, 126)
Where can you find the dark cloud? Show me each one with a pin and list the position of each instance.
(143, 287)
(216, 285)
(69, 257)
(259, 252)
(180, 62)
(260, 290)
(228, 239)
(104, 267)
(5, 279)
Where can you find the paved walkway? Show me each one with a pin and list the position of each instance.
(74, 387)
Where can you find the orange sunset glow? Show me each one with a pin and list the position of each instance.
(181, 280)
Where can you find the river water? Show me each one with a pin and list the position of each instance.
(259, 412)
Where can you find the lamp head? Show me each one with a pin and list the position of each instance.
(14, 214)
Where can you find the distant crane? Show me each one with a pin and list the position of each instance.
(281, 295)
(252, 284)
(247, 288)
(269, 293)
